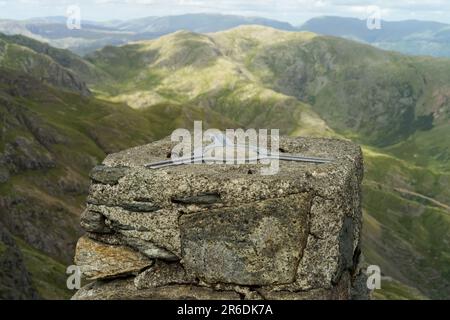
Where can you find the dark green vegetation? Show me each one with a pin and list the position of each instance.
(397, 107)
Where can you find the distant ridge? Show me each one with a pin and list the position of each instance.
(95, 35)
(409, 36)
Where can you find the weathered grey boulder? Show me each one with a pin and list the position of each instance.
(227, 228)
(259, 243)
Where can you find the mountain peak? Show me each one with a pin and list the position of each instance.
(262, 34)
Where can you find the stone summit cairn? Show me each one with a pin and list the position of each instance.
(216, 231)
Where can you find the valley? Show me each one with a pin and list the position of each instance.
(61, 114)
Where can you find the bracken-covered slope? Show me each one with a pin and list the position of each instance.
(398, 106)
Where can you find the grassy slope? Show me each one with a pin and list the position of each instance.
(246, 77)
(394, 290)
(64, 58)
(427, 148)
(378, 98)
(43, 198)
(186, 68)
(261, 77)
(48, 275)
(407, 234)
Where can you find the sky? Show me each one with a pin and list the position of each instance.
(293, 11)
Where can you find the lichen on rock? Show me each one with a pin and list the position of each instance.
(101, 261)
(217, 231)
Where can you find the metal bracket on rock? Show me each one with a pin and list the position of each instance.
(221, 141)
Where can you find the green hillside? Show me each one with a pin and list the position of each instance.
(50, 140)
(305, 84)
(396, 106)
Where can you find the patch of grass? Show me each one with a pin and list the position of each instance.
(2, 248)
(388, 170)
(428, 148)
(48, 275)
(411, 242)
(394, 290)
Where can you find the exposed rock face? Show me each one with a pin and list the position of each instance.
(31, 57)
(225, 231)
(252, 244)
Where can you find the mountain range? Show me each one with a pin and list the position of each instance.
(410, 36)
(95, 35)
(61, 114)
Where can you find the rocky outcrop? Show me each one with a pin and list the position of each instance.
(224, 231)
(15, 55)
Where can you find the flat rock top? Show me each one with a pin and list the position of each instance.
(247, 228)
(345, 155)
